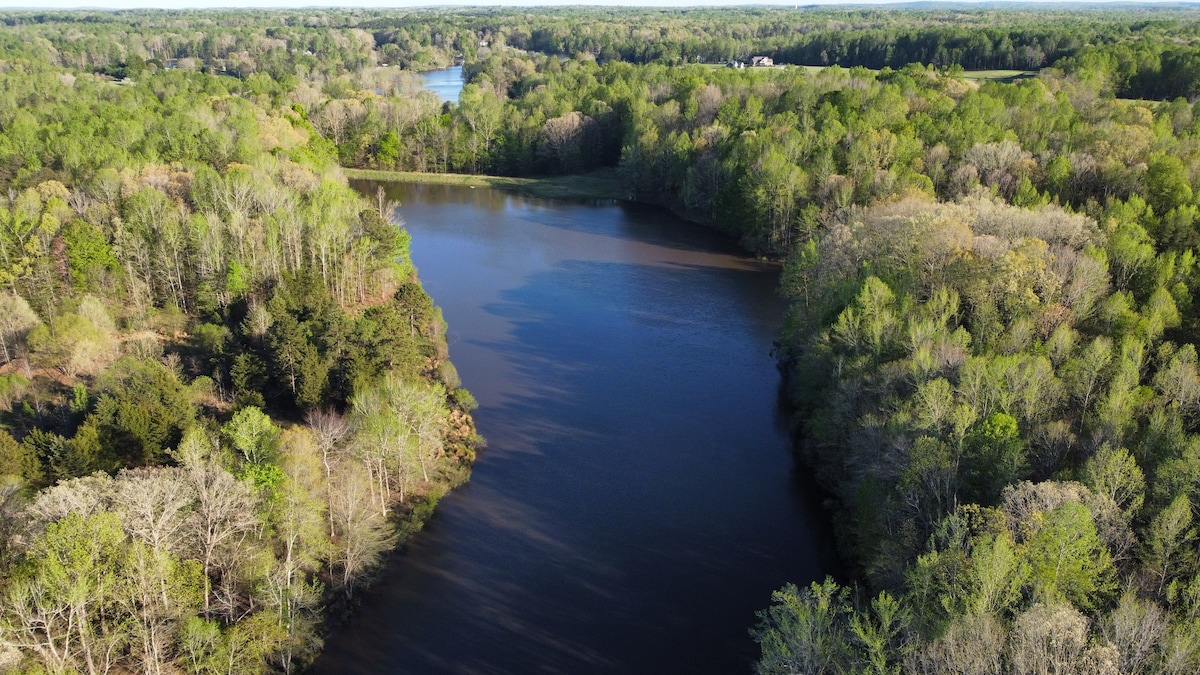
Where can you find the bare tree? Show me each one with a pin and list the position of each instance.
(972, 645)
(85, 497)
(1053, 640)
(16, 319)
(1135, 627)
(386, 207)
(363, 534)
(156, 506)
(338, 116)
(572, 140)
(330, 430)
(225, 509)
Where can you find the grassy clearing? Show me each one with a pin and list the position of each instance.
(596, 185)
(998, 75)
(979, 75)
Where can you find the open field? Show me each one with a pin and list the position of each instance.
(998, 75)
(978, 75)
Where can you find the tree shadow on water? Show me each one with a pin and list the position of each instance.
(581, 544)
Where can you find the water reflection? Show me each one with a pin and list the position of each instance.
(447, 83)
(636, 502)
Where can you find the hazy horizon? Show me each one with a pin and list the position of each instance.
(409, 4)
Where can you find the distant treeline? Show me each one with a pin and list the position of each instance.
(1146, 51)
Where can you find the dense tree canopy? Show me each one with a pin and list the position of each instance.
(991, 335)
(170, 244)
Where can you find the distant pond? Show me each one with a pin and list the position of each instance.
(447, 83)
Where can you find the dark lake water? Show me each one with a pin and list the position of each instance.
(637, 501)
(447, 83)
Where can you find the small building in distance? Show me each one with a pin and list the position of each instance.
(761, 61)
(735, 64)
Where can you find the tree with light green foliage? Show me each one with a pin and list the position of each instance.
(1067, 558)
(804, 631)
(62, 604)
(1168, 541)
(253, 434)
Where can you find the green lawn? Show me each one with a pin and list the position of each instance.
(998, 75)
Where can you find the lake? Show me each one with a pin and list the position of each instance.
(447, 83)
(637, 500)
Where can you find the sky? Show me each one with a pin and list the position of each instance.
(382, 4)
(293, 4)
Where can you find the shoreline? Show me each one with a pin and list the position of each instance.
(596, 186)
(590, 186)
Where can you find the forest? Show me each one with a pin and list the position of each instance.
(225, 396)
(990, 347)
